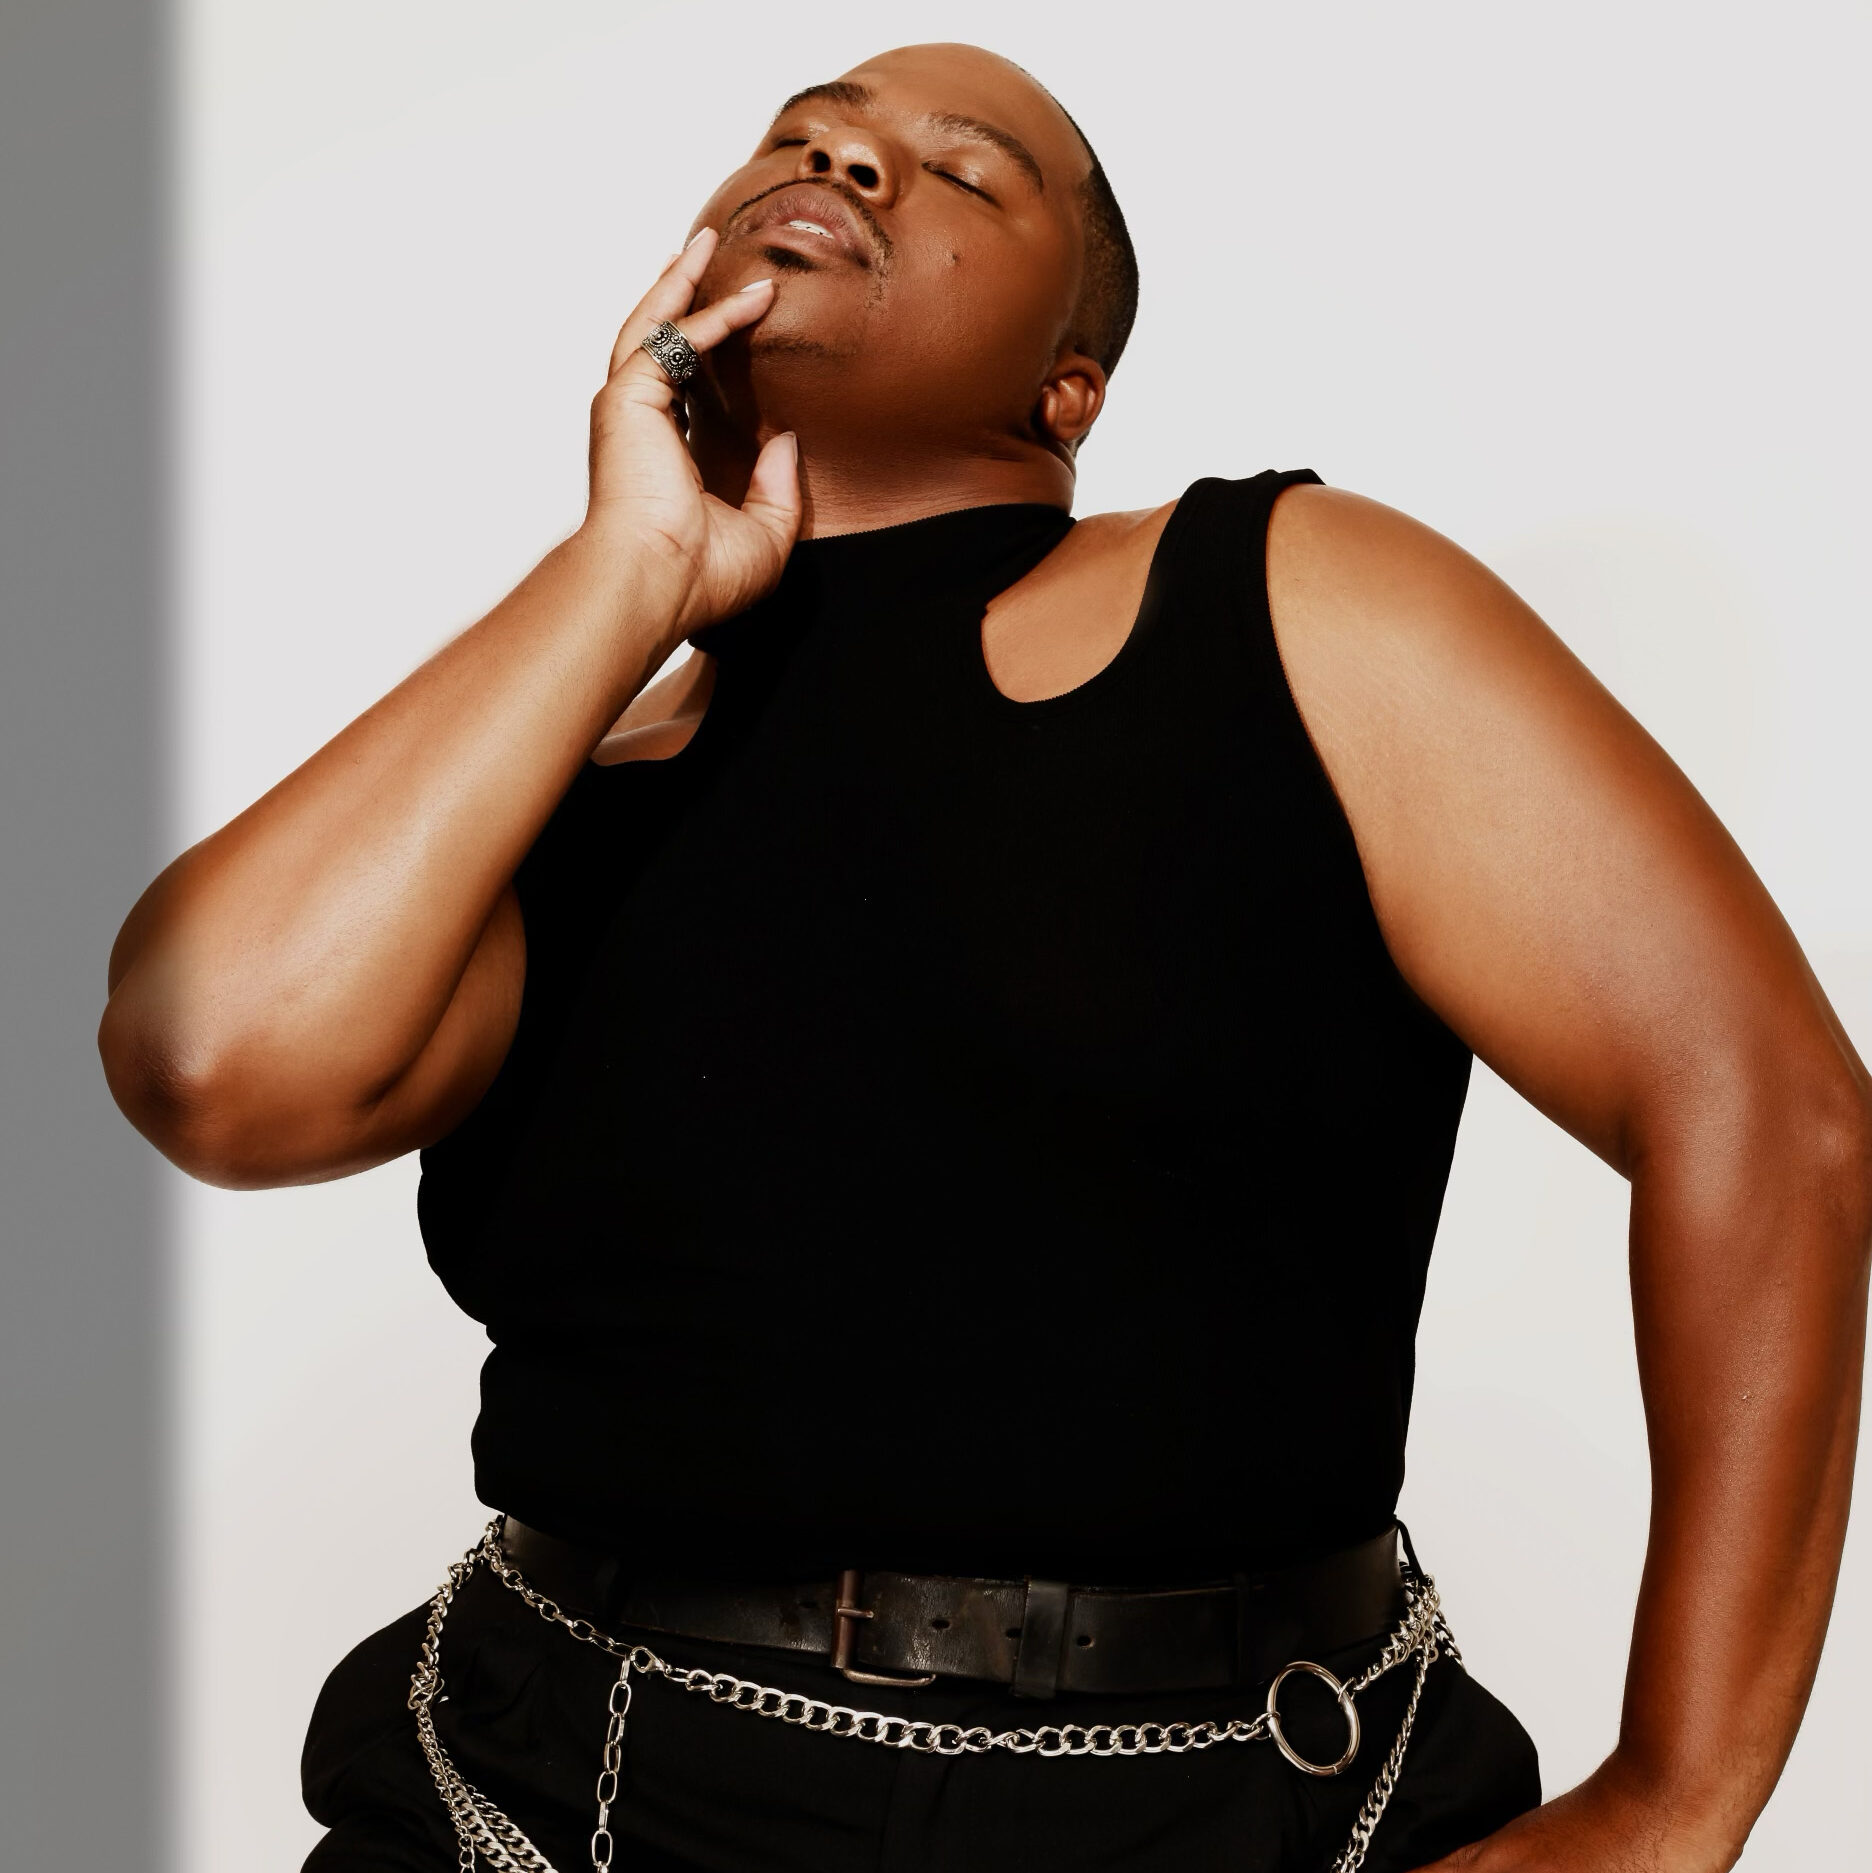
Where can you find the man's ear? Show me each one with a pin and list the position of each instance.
(1070, 399)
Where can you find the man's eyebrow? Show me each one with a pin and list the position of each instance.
(839, 91)
(1004, 140)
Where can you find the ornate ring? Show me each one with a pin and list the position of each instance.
(678, 357)
(1345, 1704)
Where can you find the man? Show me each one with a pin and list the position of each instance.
(942, 1101)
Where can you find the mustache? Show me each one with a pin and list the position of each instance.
(880, 241)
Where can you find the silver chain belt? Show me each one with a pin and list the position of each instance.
(483, 1830)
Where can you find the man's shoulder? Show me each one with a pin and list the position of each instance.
(1339, 558)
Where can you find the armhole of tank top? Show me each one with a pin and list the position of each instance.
(1249, 581)
(686, 758)
(1258, 606)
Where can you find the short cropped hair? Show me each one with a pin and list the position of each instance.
(1108, 296)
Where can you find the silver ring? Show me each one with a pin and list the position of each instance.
(678, 357)
(1346, 1706)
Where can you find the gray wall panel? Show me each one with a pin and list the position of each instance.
(83, 1290)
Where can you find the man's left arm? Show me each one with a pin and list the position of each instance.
(1556, 890)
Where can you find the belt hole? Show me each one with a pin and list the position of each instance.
(1085, 1638)
(1013, 1632)
(811, 1606)
(941, 1625)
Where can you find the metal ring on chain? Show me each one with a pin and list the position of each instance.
(1346, 1706)
(484, 1831)
(678, 357)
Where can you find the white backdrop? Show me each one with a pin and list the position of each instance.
(1586, 288)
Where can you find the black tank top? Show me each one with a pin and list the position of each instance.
(952, 1133)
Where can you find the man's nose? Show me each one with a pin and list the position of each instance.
(861, 162)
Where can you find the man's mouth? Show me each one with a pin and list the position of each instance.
(809, 220)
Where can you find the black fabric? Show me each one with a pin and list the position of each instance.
(710, 1788)
(950, 1133)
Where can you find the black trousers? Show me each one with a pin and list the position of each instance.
(705, 1787)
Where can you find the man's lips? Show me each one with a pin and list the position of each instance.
(809, 219)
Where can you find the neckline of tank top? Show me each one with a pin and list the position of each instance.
(1116, 670)
(952, 555)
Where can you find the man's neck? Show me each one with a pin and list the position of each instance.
(849, 489)
(846, 497)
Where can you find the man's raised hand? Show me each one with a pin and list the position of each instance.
(646, 492)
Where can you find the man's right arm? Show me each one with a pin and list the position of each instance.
(333, 978)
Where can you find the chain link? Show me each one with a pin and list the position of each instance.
(482, 1829)
(1425, 1632)
(618, 1705)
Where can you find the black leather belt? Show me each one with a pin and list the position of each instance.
(1041, 1637)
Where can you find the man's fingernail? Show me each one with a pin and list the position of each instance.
(754, 286)
(691, 241)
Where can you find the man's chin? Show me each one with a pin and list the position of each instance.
(819, 315)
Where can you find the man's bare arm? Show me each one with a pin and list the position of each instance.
(1551, 884)
(334, 977)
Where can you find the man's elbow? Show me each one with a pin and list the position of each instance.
(1768, 1146)
(194, 1102)
(1833, 1126)
(170, 1092)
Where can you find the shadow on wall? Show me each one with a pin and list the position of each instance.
(84, 1301)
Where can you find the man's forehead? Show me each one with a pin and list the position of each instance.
(962, 88)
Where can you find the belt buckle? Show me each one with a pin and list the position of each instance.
(846, 1614)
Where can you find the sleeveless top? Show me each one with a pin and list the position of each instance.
(952, 1133)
